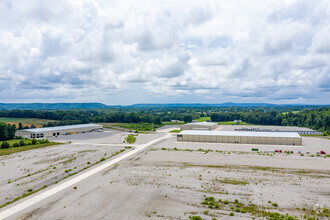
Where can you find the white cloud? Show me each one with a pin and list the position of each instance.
(151, 51)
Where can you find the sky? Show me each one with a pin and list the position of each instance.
(165, 51)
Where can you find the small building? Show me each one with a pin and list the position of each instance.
(237, 137)
(199, 126)
(57, 131)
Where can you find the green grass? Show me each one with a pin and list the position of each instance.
(24, 148)
(172, 123)
(294, 112)
(175, 131)
(138, 126)
(202, 119)
(232, 123)
(35, 121)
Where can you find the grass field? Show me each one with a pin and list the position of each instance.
(175, 131)
(138, 126)
(232, 123)
(23, 148)
(172, 123)
(26, 121)
(294, 112)
(202, 119)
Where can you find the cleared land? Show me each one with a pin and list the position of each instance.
(172, 180)
(26, 121)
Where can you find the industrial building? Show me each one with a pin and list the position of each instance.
(276, 138)
(57, 131)
(199, 126)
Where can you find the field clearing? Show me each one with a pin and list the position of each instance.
(232, 123)
(26, 121)
(24, 148)
(293, 112)
(202, 119)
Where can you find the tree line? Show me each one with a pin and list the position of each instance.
(317, 119)
(7, 131)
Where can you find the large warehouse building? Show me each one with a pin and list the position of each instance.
(199, 126)
(276, 138)
(57, 131)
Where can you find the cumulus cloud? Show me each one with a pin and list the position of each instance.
(122, 52)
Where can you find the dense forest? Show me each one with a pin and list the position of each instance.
(315, 118)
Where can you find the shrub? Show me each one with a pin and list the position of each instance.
(217, 206)
(102, 159)
(325, 133)
(34, 141)
(15, 145)
(196, 218)
(237, 210)
(30, 190)
(21, 143)
(206, 212)
(75, 187)
(231, 214)
(301, 154)
(5, 145)
(236, 200)
(88, 162)
(226, 202)
(275, 204)
(243, 211)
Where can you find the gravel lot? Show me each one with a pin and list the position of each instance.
(171, 183)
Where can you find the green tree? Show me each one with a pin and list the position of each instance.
(5, 145)
(21, 142)
(3, 131)
(20, 126)
(187, 118)
(34, 141)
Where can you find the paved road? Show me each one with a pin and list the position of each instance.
(45, 194)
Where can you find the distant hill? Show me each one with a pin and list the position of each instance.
(72, 106)
(51, 106)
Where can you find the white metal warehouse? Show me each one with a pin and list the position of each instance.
(57, 131)
(241, 137)
(199, 126)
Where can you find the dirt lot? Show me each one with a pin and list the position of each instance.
(171, 180)
(175, 180)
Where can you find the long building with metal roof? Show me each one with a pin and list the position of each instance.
(57, 131)
(241, 137)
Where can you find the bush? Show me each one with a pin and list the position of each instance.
(206, 212)
(102, 159)
(196, 218)
(237, 210)
(21, 143)
(275, 204)
(5, 145)
(34, 141)
(226, 202)
(30, 190)
(231, 214)
(325, 133)
(243, 211)
(236, 200)
(301, 154)
(15, 145)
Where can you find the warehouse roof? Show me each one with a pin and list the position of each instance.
(61, 127)
(242, 133)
